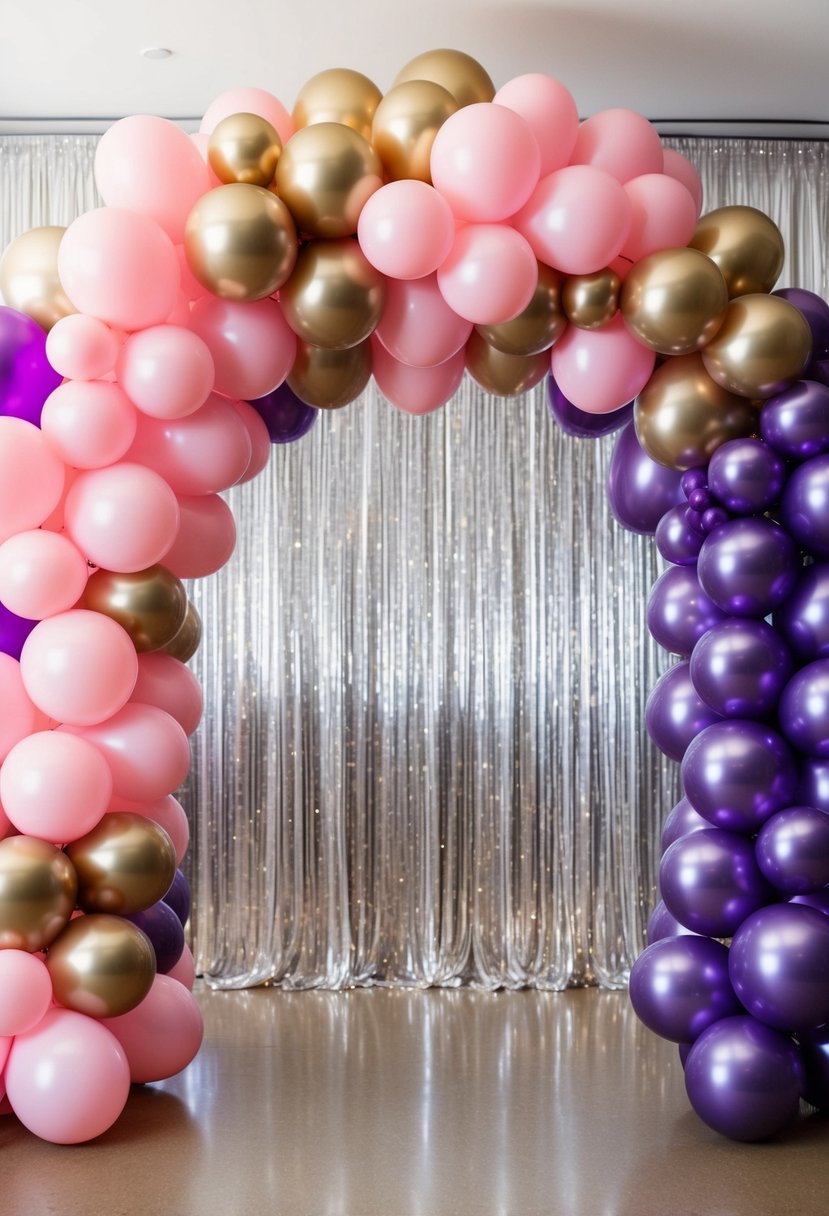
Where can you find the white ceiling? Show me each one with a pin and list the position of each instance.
(691, 61)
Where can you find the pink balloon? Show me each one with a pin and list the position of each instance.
(54, 520)
(67, 1078)
(119, 266)
(202, 453)
(31, 477)
(162, 1034)
(123, 518)
(167, 812)
(600, 370)
(621, 142)
(248, 101)
(490, 275)
(206, 537)
(151, 166)
(417, 326)
(184, 970)
(406, 229)
(252, 345)
(41, 573)
(17, 714)
(679, 167)
(191, 288)
(577, 219)
(180, 315)
(55, 786)
(260, 440)
(664, 215)
(25, 991)
(416, 390)
(82, 348)
(549, 110)
(485, 162)
(90, 423)
(146, 749)
(166, 683)
(166, 371)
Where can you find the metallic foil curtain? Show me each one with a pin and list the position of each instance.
(423, 759)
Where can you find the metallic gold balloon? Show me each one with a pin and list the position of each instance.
(150, 604)
(240, 242)
(38, 889)
(674, 301)
(338, 95)
(682, 416)
(124, 865)
(763, 344)
(29, 278)
(244, 148)
(502, 374)
(335, 296)
(460, 75)
(540, 324)
(405, 125)
(188, 639)
(325, 176)
(746, 245)
(330, 379)
(101, 965)
(591, 300)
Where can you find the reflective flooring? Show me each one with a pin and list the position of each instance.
(404, 1103)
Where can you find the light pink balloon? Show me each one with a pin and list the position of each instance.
(128, 739)
(31, 477)
(679, 167)
(621, 142)
(55, 786)
(17, 713)
(549, 110)
(260, 440)
(252, 345)
(664, 215)
(82, 347)
(123, 518)
(577, 219)
(485, 162)
(167, 812)
(90, 423)
(206, 537)
(416, 390)
(600, 370)
(203, 453)
(151, 166)
(490, 275)
(184, 970)
(406, 229)
(25, 991)
(168, 684)
(417, 326)
(41, 573)
(67, 1078)
(248, 101)
(167, 371)
(54, 520)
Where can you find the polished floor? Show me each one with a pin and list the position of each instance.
(405, 1103)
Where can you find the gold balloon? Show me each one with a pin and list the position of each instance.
(763, 344)
(540, 324)
(101, 965)
(326, 175)
(124, 865)
(746, 245)
(405, 125)
(150, 604)
(335, 296)
(38, 888)
(29, 278)
(188, 639)
(244, 148)
(591, 300)
(674, 301)
(459, 73)
(329, 379)
(240, 242)
(338, 95)
(682, 416)
(502, 374)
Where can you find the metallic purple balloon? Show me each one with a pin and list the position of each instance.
(286, 417)
(813, 784)
(579, 423)
(681, 821)
(178, 897)
(804, 709)
(737, 773)
(26, 375)
(740, 668)
(13, 631)
(804, 508)
(679, 611)
(679, 986)
(793, 850)
(743, 1079)
(803, 618)
(819, 900)
(796, 421)
(814, 1050)
(710, 881)
(676, 540)
(815, 310)
(662, 924)
(639, 490)
(164, 930)
(748, 566)
(746, 476)
(779, 966)
(674, 712)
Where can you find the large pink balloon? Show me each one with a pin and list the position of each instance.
(406, 229)
(664, 215)
(549, 110)
(17, 713)
(67, 1078)
(206, 537)
(252, 345)
(600, 370)
(82, 347)
(248, 101)
(577, 219)
(260, 440)
(621, 142)
(167, 371)
(171, 686)
(146, 749)
(416, 390)
(90, 423)
(162, 1034)
(679, 167)
(55, 786)
(41, 573)
(417, 326)
(202, 453)
(485, 162)
(119, 266)
(167, 812)
(124, 517)
(184, 970)
(490, 275)
(25, 991)
(31, 477)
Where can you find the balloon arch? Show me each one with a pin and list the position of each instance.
(239, 280)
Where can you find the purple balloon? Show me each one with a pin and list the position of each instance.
(737, 773)
(793, 850)
(795, 422)
(744, 1079)
(681, 821)
(164, 930)
(804, 508)
(676, 539)
(26, 375)
(662, 924)
(679, 611)
(779, 966)
(639, 490)
(286, 417)
(814, 1050)
(813, 784)
(819, 900)
(804, 709)
(815, 310)
(746, 475)
(679, 986)
(748, 566)
(178, 897)
(710, 881)
(674, 712)
(740, 668)
(13, 631)
(580, 423)
(803, 618)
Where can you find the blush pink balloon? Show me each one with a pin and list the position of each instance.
(248, 101)
(416, 390)
(490, 275)
(119, 266)
(679, 167)
(17, 713)
(485, 162)
(600, 370)
(31, 477)
(25, 991)
(129, 739)
(162, 1034)
(417, 326)
(167, 812)
(406, 229)
(577, 219)
(55, 519)
(90, 423)
(549, 110)
(123, 518)
(202, 453)
(664, 215)
(167, 371)
(206, 537)
(184, 970)
(252, 345)
(169, 685)
(260, 440)
(41, 573)
(82, 348)
(55, 786)
(621, 142)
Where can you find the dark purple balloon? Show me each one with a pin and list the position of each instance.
(700, 499)
(746, 475)
(803, 618)
(178, 897)
(580, 423)
(286, 417)
(662, 924)
(779, 966)
(819, 900)
(816, 311)
(813, 784)
(710, 881)
(164, 930)
(13, 631)
(737, 773)
(740, 668)
(639, 490)
(793, 850)
(804, 709)
(814, 1050)
(679, 986)
(748, 566)
(744, 1079)
(804, 508)
(676, 540)
(674, 713)
(679, 611)
(26, 375)
(681, 821)
(796, 421)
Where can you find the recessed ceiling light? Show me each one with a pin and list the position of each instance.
(156, 52)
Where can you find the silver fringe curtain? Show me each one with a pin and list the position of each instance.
(423, 759)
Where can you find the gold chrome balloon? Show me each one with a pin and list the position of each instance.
(326, 174)
(763, 344)
(591, 300)
(150, 605)
(101, 965)
(405, 125)
(338, 95)
(746, 245)
(244, 148)
(502, 374)
(329, 379)
(124, 865)
(188, 639)
(38, 889)
(536, 328)
(682, 416)
(240, 242)
(459, 73)
(335, 296)
(29, 279)
(674, 301)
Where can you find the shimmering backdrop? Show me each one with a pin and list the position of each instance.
(423, 758)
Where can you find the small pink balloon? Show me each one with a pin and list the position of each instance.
(417, 326)
(167, 812)
(549, 110)
(55, 786)
(600, 370)
(124, 517)
(260, 440)
(128, 739)
(41, 573)
(167, 371)
(406, 229)
(82, 348)
(621, 142)
(25, 991)
(485, 162)
(577, 219)
(664, 215)
(17, 714)
(203, 453)
(490, 275)
(168, 684)
(184, 970)
(162, 1034)
(90, 423)
(206, 537)
(31, 477)
(416, 390)
(248, 101)
(252, 345)
(675, 165)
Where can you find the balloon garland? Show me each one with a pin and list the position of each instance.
(236, 282)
